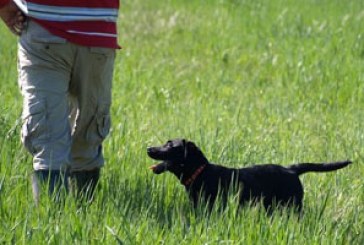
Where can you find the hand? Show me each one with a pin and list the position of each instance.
(12, 17)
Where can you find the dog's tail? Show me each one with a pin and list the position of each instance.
(318, 167)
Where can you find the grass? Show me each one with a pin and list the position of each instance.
(249, 82)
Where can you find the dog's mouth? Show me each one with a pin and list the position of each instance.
(158, 168)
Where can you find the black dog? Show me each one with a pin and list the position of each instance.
(273, 184)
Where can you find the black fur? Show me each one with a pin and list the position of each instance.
(272, 184)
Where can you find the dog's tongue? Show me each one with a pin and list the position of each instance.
(157, 168)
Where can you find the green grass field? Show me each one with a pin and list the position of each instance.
(250, 82)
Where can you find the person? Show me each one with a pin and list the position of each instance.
(66, 53)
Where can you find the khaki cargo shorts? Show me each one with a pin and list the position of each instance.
(67, 97)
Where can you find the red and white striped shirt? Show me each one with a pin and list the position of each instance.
(3, 3)
(84, 22)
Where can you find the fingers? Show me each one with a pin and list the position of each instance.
(20, 19)
(20, 16)
(16, 30)
(16, 23)
(12, 17)
(13, 29)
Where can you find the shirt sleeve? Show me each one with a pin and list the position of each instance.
(4, 2)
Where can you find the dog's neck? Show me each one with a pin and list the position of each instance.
(192, 178)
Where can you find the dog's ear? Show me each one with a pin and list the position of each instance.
(184, 143)
(188, 147)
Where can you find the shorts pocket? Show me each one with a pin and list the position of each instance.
(102, 55)
(34, 130)
(100, 125)
(103, 126)
(102, 51)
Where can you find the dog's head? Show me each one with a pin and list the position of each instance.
(178, 156)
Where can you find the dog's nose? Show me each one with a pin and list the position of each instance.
(150, 151)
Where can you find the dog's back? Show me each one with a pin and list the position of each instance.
(275, 183)
(267, 182)
(272, 184)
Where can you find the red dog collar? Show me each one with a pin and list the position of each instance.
(194, 175)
